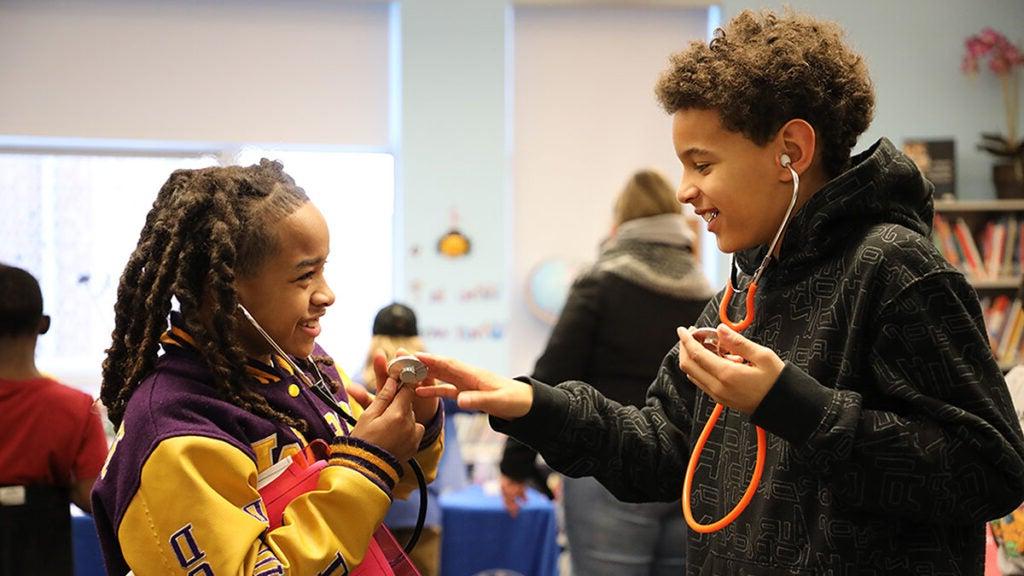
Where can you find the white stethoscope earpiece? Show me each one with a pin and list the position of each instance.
(786, 163)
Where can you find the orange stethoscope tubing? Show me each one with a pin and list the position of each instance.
(762, 442)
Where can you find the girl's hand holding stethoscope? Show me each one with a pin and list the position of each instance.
(739, 375)
(424, 408)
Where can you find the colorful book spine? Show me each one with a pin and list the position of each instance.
(972, 256)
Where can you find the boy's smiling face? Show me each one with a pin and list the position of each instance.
(732, 183)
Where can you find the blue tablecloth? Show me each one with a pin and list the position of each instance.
(85, 546)
(479, 536)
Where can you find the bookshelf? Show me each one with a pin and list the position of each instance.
(985, 240)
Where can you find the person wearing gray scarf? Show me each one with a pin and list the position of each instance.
(619, 318)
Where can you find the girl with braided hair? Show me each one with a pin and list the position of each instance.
(242, 250)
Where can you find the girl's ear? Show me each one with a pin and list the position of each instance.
(44, 324)
(797, 141)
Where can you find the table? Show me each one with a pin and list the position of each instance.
(85, 546)
(478, 535)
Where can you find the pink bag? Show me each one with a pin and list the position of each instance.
(282, 482)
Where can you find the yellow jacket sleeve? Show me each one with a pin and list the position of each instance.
(197, 511)
(428, 458)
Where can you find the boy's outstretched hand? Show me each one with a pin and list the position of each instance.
(475, 389)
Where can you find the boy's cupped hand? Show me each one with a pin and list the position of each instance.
(739, 376)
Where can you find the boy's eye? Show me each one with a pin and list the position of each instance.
(702, 167)
(307, 276)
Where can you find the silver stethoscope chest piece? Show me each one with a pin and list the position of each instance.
(407, 369)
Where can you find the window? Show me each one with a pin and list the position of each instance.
(72, 220)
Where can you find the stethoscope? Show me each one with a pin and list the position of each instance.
(405, 369)
(709, 338)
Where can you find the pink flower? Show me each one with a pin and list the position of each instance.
(969, 65)
(1014, 56)
(1003, 59)
(999, 66)
(976, 48)
(990, 36)
(1003, 56)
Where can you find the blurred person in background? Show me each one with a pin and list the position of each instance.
(53, 442)
(395, 332)
(620, 317)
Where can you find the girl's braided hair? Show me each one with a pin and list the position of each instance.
(206, 228)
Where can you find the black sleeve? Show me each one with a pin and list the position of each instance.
(565, 357)
(639, 454)
(947, 447)
(518, 461)
(568, 351)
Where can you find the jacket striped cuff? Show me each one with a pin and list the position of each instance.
(433, 428)
(377, 464)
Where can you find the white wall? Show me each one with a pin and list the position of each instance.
(586, 118)
(913, 50)
(253, 71)
(453, 161)
(303, 71)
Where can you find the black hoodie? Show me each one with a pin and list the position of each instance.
(891, 435)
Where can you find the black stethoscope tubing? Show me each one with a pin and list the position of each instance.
(324, 393)
(321, 390)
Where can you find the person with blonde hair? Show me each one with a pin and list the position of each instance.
(645, 194)
(394, 328)
(619, 319)
(395, 332)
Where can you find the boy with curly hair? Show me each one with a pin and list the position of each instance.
(891, 437)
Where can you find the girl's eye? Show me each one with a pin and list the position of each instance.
(307, 276)
(702, 168)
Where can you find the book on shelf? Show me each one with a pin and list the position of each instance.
(1010, 248)
(1009, 346)
(972, 257)
(1004, 323)
(945, 242)
(996, 311)
(993, 254)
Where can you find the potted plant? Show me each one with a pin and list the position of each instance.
(1004, 60)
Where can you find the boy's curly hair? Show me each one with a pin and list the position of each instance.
(206, 228)
(763, 70)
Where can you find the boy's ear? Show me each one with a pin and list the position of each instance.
(797, 140)
(44, 324)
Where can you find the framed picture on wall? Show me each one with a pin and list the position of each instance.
(936, 158)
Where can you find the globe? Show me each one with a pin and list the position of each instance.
(548, 286)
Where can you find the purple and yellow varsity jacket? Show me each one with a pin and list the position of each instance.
(178, 493)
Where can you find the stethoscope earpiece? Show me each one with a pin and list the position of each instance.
(785, 161)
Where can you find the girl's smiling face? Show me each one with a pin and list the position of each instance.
(287, 294)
